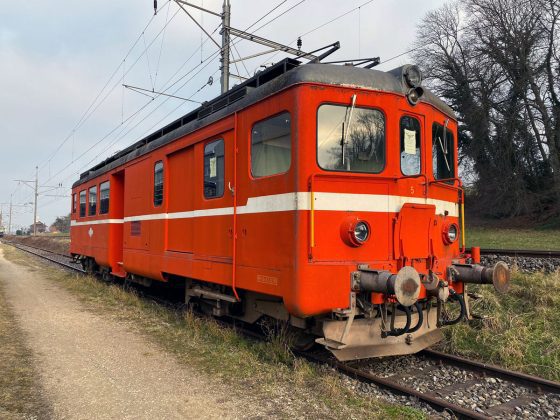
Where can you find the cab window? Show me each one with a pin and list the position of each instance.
(410, 146)
(92, 208)
(82, 203)
(214, 169)
(158, 183)
(74, 203)
(104, 198)
(443, 152)
(350, 139)
(271, 146)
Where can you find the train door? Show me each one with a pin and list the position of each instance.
(213, 219)
(116, 211)
(181, 188)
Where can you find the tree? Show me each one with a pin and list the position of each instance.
(61, 224)
(497, 63)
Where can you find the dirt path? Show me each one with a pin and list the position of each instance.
(94, 367)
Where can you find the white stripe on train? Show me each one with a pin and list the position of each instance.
(376, 203)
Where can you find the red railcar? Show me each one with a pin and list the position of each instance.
(323, 195)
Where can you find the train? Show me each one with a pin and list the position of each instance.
(323, 196)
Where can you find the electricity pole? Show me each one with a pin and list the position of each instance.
(226, 17)
(10, 218)
(35, 205)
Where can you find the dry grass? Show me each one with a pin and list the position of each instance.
(262, 371)
(21, 394)
(50, 243)
(521, 330)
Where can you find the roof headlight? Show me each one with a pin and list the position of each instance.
(413, 76)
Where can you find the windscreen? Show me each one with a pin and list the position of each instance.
(350, 139)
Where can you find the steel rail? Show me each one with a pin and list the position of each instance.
(433, 401)
(524, 379)
(29, 249)
(526, 253)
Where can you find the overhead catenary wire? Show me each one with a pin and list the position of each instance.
(177, 81)
(87, 113)
(234, 41)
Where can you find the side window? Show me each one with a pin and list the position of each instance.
(214, 169)
(74, 203)
(271, 146)
(104, 198)
(92, 208)
(158, 183)
(410, 146)
(443, 152)
(82, 203)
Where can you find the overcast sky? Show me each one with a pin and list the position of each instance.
(57, 56)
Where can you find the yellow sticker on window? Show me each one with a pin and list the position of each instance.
(213, 168)
(409, 142)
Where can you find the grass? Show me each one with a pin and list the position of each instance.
(21, 393)
(501, 238)
(520, 331)
(264, 370)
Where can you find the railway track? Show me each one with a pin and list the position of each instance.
(460, 387)
(54, 257)
(520, 253)
(448, 383)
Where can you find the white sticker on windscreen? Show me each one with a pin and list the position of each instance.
(409, 142)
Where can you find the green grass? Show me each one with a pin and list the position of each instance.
(521, 329)
(266, 370)
(486, 237)
(21, 393)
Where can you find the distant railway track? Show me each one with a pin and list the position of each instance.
(521, 253)
(54, 257)
(528, 389)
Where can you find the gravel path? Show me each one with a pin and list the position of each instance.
(93, 367)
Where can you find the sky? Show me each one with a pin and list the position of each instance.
(63, 64)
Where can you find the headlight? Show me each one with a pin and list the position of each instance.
(450, 233)
(354, 232)
(361, 232)
(413, 76)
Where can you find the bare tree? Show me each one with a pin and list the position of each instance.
(497, 63)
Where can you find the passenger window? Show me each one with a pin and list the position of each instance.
(74, 203)
(410, 146)
(104, 198)
(214, 169)
(443, 152)
(82, 203)
(158, 183)
(271, 146)
(92, 209)
(350, 139)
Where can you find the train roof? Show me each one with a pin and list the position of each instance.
(283, 74)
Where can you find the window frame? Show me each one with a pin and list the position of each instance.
(251, 175)
(89, 201)
(85, 203)
(386, 157)
(160, 203)
(74, 203)
(204, 174)
(422, 170)
(101, 184)
(454, 167)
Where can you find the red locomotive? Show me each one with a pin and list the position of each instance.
(323, 195)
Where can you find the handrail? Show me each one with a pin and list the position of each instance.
(234, 233)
